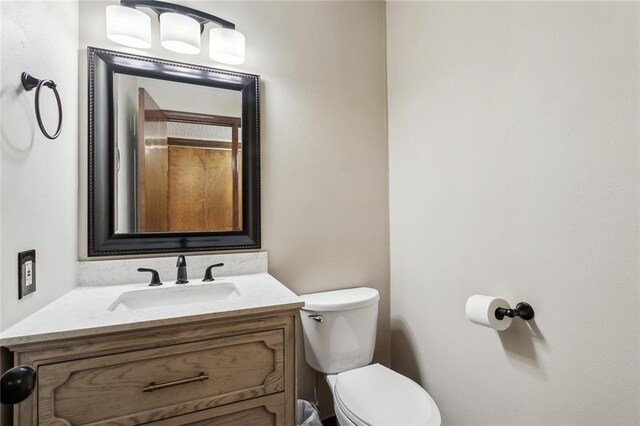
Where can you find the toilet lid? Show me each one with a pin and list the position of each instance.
(376, 395)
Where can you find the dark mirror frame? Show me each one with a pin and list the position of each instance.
(102, 238)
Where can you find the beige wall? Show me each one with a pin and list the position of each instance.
(324, 140)
(513, 138)
(38, 191)
(324, 156)
(513, 144)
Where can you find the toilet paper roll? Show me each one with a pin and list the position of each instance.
(481, 310)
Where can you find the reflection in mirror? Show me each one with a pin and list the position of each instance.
(174, 156)
(178, 157)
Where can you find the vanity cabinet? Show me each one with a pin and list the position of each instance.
(238, 370)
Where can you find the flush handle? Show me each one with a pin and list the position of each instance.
(317, 318)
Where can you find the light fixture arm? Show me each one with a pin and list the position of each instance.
(160, 7)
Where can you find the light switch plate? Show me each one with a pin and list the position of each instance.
(26, 273)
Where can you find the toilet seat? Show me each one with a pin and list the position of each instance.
(375, 395)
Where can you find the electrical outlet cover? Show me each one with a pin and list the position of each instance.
(26, 273)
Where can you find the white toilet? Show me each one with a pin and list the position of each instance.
(339, 330)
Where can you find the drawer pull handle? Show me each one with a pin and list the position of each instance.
(153, 386)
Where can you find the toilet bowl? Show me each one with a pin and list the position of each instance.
(339, 329)
(375, 395)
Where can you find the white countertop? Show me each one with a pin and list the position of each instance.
(84, 310)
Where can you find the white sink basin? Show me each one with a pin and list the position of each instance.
(176, 295)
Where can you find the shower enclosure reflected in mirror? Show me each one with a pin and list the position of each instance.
(173, 156)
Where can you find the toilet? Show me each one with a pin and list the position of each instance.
(339, 329)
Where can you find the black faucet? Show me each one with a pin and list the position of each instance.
(208, 276)
(182, 270)
(155, 277)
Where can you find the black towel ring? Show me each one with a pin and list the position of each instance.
(29, 82)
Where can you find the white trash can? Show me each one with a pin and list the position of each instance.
(308, 414)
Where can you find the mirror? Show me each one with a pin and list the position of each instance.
(174, 156)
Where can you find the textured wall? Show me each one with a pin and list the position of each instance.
(39, 177)
(513, 144)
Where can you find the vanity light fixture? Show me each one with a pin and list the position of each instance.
(226, 46)
(179, 33)
(181, 28)
(129, 27)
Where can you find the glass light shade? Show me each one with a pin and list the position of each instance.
(179, 33)
(226, 46)
(128, 26)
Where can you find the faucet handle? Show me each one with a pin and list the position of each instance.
(155, 276)
(208, 276)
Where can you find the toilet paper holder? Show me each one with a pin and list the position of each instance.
(522, 310)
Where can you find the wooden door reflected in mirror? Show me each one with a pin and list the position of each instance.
(191, 171)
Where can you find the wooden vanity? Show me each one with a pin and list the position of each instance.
(236, 370)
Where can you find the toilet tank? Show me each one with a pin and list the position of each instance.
(339, 328)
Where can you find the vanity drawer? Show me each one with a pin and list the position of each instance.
(147, 385)
(264, 411)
